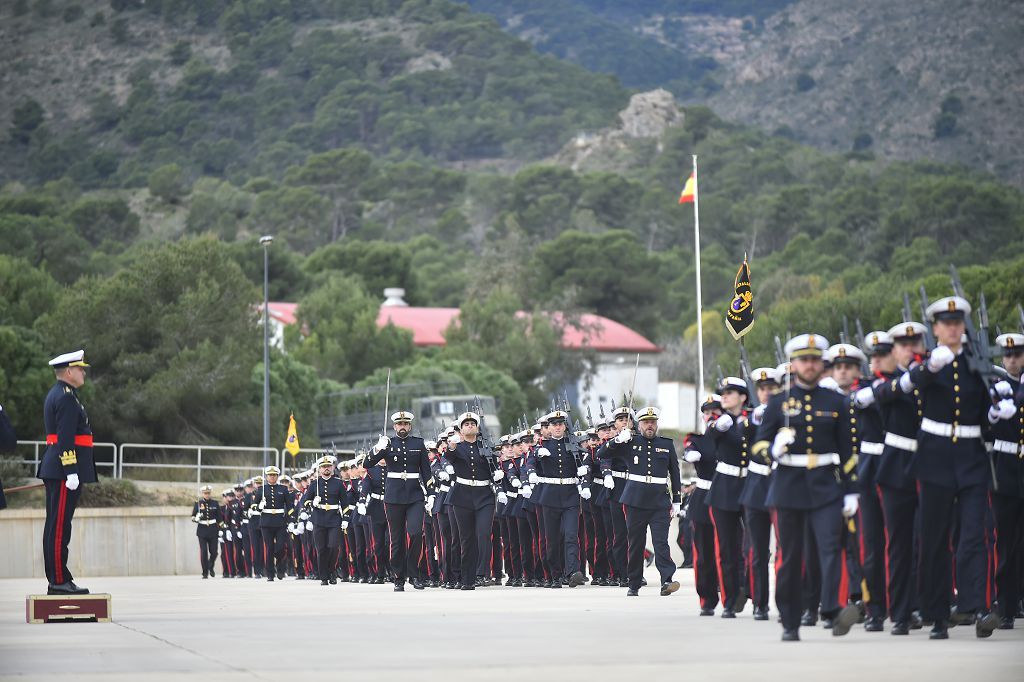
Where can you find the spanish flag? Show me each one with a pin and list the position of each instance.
(690, 190)
(291, 444)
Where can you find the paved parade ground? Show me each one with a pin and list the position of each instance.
(182, 627)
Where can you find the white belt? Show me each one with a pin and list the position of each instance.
(598, 481)
(730, 470)
(810, 461)
(375, 496)
(209, 522)
(619, 474)
(471, 482)
(900, 442)
(511, 495)
(445, 488)
(869, 448)
(557, 481)
(404, 475)
(948, 430)
(647, 479)
(703, 484)
(328, 507)
(1006, 446)
(273, 511)
(760, 469)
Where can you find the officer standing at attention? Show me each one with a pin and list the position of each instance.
(275, 505)
(650, 497)
(66, 464)
(807, 430)
(408, 472)
(206, 516)
(953, 473)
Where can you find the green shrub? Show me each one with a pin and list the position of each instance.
(110, 493)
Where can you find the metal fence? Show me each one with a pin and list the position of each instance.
(104, 454)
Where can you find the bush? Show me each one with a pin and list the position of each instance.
(110, 493)
(73, 13)
(166, 182)
(804, 82)
(180, 53)
(12, 473)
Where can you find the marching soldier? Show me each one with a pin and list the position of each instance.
(807, 431)
(256, 548)
(1008, 497)
(598, 543)
(408, 472)
(614, 471)
(226, 536)
(275, 506)
(953, 471)
(650, 497)
(66, 464)
(699, 450)
(325, 500)
(360, 525)
(206, 516)
(371, 506)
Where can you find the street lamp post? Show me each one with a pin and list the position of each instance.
(265, 242)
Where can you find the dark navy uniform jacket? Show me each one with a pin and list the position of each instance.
(208, 510)
(560, 464)
(730, 451)
(821, 420)
(901, 414)
(759, 472)
(333, 497)
(68, 437)
(868, 425)
(372, 493)
(277, 497)
(648, 458)
(705, 469)
(952, 395)
(248, 508)
(405, 457)
(615, 467)
(1009, 465)
(470, 464)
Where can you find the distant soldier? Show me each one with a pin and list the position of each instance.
(699, 450)
(66, 464)
(371, 506)
(226, 535)
(276, 508)
(325, 500)
(256, 548)
(206, 516)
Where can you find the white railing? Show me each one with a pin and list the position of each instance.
(97, 448)
(130, 460)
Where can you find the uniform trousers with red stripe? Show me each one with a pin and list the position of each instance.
(871, 533)
(729, 547)
(531, 569)
(620, 539)
(759, 527)
(1009, 545)
(900, 509)
(826, 526)
(705, 571)
(60, 509)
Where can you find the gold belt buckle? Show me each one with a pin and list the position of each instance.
(812, 461)
(648, 479)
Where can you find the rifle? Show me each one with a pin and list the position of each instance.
(844, 334)
(746, 371)
(907, 317)
(721, 377)
(632, 387)
(977, 352)
(929, 338)
(780, 357)
(486, 446)
(865, 366)
(1020, 317)
(387, 398)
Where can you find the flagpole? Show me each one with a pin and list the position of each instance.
(700, 321)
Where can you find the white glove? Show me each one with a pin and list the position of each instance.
(361, 508)
(783, 439)
(220, 535)
(676, 509)
(757, 416)
(692, 456)
(196, 518)
(450, 470)
(865, 397)
(228, 537)
(527, 492)
(939, 358)
(543, 452)
(442, 475)
(582, 470)
(309, 525)
(316, 501)
(455, 439)
(498, 475)
(263, 503)
(724, 423)
(1004, 409)
(382, 443)
(502, 498)
(516, 483)
(72, 482)
(344, 524)
(1002, 389)
(429, 504)
(609, 481)
(532, 478)
(303, 516)
(906, 383)
(850, 505)
(238, 534)
(585, 493)
(624, 436)
(291, 528)
(831, 384)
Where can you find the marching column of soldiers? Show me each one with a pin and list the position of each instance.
(885, 479)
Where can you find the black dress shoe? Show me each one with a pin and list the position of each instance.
(1006, 623)
(643, 582)
(65, 589)
(468, 587)
(205, 576)
(324, 582)
(728, 613)
(826, 623)
(300, 576)
(916, 622)
(332, 580)
(958, 617)
(760, 614)
(211, 574)
(808, 619)
(668, 588)
(686, 564)
(576, 579)
(623, 582)
(985, 624)
(939, 631)
(400, 587)
(632, 592)
(270, 578)
(556, 584)
(900, 628)
(707, 612)
(873, 624)
(417, 584)
(845, 620)
(791, 635)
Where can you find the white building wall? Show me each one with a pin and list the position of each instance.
(678, 402)
(612, 378)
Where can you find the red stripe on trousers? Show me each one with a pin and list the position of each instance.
(888, 573)
(718, 557)
(58, 538)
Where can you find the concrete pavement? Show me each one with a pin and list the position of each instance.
(180, 627)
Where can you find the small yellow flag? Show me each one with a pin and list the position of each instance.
(292, 443)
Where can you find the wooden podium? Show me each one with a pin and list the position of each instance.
(77, 608)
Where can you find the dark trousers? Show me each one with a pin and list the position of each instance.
(256, 549)
(620, 540)
(599, 546)
(431, 555)
(542, 543)
(60, 509)
(207, 553)
(899, 507)
(298, 558)
(274, 546)
(871, 533)
(526, 549)
(705, 570)
(826, 526)
(684, 539)
(562, 528)
(444, 543)
(513, 550)
(475, 533)
(810, 580)
(327, 542)
(226, 561)
(729, 554)
(378, 548)
(455, 548)
(533, 517)
(637, 522)
(586, 535)
(360, 551)
(1009, 513)
(497, 564)
(759, 528)
(405, 523)
(241, 548)
(938, 504)
(345, 553)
